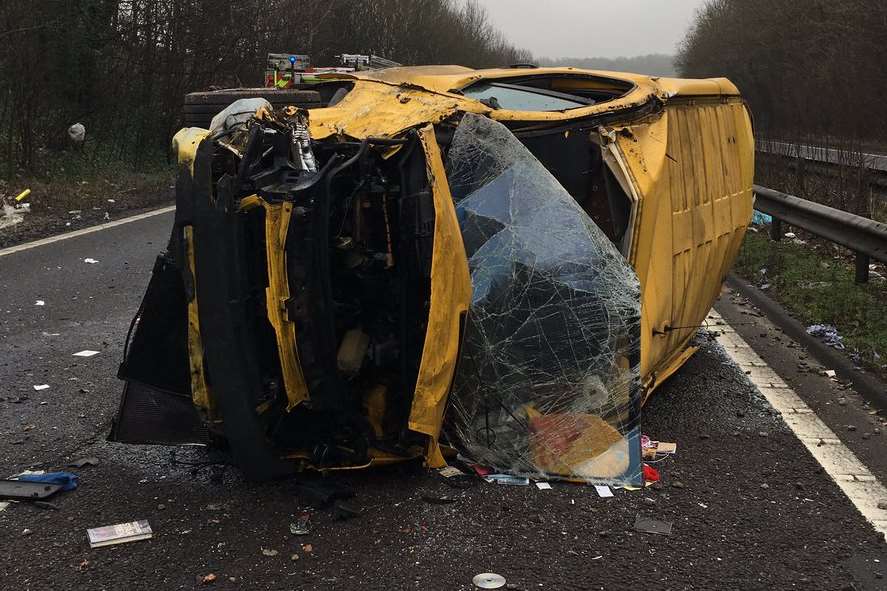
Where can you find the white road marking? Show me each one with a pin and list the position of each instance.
(84, 231)
(849, 473)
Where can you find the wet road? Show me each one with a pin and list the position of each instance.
(751, 508)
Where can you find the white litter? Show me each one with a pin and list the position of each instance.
(39, 303)
(830, 373)
(603, 490)
(85, 353)
(39, 387)
(450, 471)
(90, 261)
(10, 216)
(543, 486)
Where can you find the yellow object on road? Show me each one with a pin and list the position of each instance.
(22, 196)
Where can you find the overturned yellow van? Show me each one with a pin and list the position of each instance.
(500, 262)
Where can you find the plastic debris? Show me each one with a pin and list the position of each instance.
(603, 491)
(90, 261)
(651, 474)
(85, 353)
(77, 133)
(828, 334)
(830, 373)
(646, 525)
(22, 196)
(269, 552)
(761, 219)
(208, 579)
(39, 387)
(67, 480)
(120, 533)
(10, 216)
(488, 581)
(302, 527)
(39, 303)
(508, 479)
(543, 486)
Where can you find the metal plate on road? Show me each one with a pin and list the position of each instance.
(489, 581)
(23, 490)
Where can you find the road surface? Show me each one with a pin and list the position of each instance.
(751, 507)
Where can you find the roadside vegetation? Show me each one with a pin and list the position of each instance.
(816, 285)
(812, 73)
(122, 67)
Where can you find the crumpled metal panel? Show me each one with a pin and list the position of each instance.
(548, 380)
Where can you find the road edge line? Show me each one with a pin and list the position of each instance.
(85, 231)
(854, 479)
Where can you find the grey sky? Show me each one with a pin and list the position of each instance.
(593, 28)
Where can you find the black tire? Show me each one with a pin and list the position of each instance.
(201, 107)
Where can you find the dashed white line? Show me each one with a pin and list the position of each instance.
(90, 230)
(849, 473)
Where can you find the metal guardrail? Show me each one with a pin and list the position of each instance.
(866, 238)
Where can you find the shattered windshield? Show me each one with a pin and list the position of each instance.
(547, 382)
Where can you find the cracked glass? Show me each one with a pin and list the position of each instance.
(547, 384)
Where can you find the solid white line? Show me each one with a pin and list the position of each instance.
(84, 231)
(851, 475)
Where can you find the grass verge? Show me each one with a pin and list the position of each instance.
(817, 287)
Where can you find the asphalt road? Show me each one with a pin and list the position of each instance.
(751, 508)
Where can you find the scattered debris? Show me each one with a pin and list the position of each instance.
(85, 353)
(90, 461)
(27, 532)
(677, 484)
(39, 387)
(120, 533)
(488, 581)
(438, 500)
(39, 303)
(828, 334)
(307, 548)
(77, 133)
(450, 471)
(829, 373)
(10, 215)
(66, 480)
(645, 525)
(90, 261)
(507, 479)
(27, 491)
(543, 486)
(302, 527)
(208, 579)
(269, 552)
(651, 475)
(603, 491)
(83, 566)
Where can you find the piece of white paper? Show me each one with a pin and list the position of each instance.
(39, 387)
(85, 353)
(543, 486)
(450, 471)
(90, 261)
(39, 303)
(603, 490)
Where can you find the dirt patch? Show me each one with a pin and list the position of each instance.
(63, 206)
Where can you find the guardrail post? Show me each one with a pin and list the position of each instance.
(862, 267)
(776, 230)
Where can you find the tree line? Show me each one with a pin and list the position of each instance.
(121, 67)
(811, 68)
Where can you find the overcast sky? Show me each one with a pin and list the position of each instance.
(593, 28)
